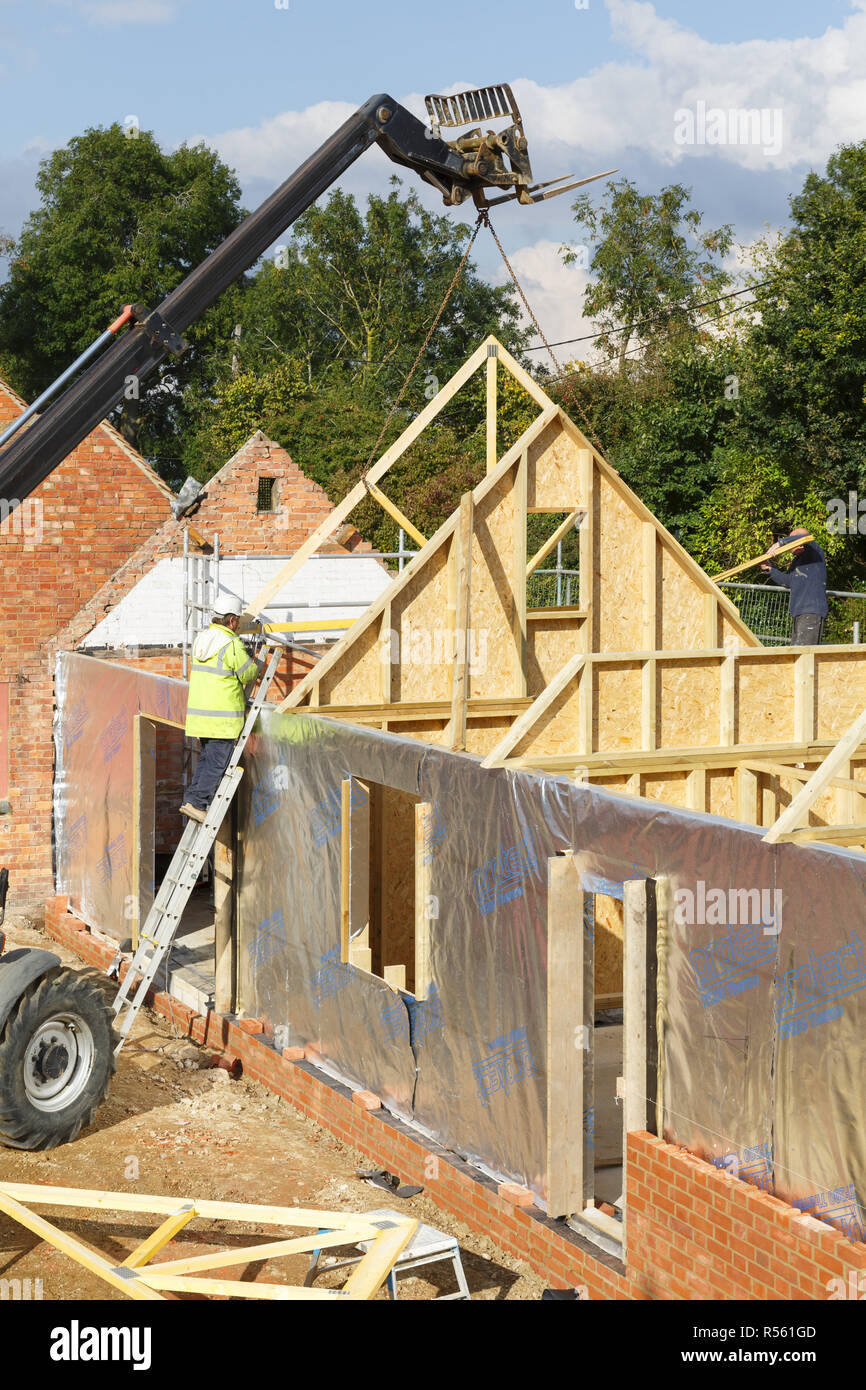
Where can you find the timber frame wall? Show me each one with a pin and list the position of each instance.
(650, 685)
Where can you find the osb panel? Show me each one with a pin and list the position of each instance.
(617, 715)
(618, 590)
(765, 700)
(670, 789)
(840, 691)
(492, 592)
(682, 606)
(608, 945)
(549, 645)
(430, 730)
(687, 703)
(721, 795)
(553, 479)
(398, 880)
(355, 679)
(419, 613)
(482, 735)
(557, 730)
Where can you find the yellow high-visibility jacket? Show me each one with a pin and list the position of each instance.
(219, 672)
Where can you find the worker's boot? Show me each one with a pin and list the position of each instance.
(193, 812)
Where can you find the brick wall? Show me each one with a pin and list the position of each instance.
(56, 552)
(694, 1231)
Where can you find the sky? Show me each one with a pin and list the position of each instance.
(658, 91)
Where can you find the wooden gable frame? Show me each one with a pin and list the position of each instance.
(650, 685)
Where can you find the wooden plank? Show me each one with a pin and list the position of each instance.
(239, 1288)
(821, 778)
(530, 386)
(552, 540)
(804, 697)
(568, 1038)
(492, 351)
(460, 678)
(696, 788)
(711, 620)
(160, 1237)
(369, 1276)
(143, 819)
(759, 559)
(345, 841)
(649, 585)
(564, 614)
(521, 479)
(357, 494)
(833, 834)
(747, 794)
(386, 655)
(586, 542)
(395, 976)
(727, 700)
(225, 931)
(524, 723)
(47, 1195)
(267, 1250)
(423, 904)
(395, 513)
(68, 1244)
(640, 1061)
(648, 706)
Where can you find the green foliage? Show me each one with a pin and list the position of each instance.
(119, 222)
(645, 272)
(755, 499)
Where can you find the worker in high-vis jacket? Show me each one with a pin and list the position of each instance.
(220, 672)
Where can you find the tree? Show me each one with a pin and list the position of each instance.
(120, 221)
(804, 380)
(357, 291)
(647, 278)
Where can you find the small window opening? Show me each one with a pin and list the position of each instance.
(265, 501)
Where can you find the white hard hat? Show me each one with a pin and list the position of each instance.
(229, 604)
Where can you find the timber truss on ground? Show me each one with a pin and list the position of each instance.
(650, 685)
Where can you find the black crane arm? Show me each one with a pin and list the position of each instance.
(458, 170)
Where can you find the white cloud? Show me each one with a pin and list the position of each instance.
(555, 292)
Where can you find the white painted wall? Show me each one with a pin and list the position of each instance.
(326, 586)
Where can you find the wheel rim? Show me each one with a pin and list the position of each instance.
(58, 1062)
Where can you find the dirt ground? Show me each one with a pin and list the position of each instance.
(172, 1125)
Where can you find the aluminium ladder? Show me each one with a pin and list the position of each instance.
(162, 920)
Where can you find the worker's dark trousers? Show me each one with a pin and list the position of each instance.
(212, 763)
(808, 628)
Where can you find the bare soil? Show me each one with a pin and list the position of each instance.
(173, 1125)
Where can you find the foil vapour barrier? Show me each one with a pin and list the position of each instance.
(762, 949)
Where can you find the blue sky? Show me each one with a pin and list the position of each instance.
(599, 85)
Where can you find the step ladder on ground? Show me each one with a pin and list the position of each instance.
(161, 923)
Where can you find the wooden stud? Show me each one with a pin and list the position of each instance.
(821, 778)
(225, 931)
(345, 841)
(586, 576)
(804, 697)
(649, 714)
(727, 700)
(649, 587)
(524, 723)
(460, 679)
(492, 353)
(568, 1038)
(395, 513)
(696, 788)
(143, 1253)
(553, 539)
(423, 904)
(521, 481)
